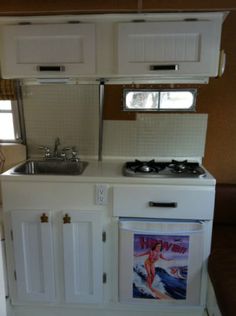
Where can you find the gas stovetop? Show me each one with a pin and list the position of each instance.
(165, 169)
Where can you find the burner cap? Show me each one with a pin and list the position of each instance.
(145, 168)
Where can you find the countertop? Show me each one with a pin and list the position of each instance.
(107, 171)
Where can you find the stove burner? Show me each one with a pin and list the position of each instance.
(183, 167)
(145, 166)
(154, 168)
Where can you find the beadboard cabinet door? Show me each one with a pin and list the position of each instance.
(47, 50)
(83, 256)
(173, 48)
(33, 253)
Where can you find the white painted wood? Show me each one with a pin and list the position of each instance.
(123, 310)
(133, 201)
(25, 48)
(212, 305)
(83, 257)
(3, 277)
(33, 253)
(76, 195)
(91, 49)
(193, 47)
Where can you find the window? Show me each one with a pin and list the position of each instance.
(9, 121)
(9, 111)
(159, 100)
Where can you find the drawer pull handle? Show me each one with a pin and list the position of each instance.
(163, 67)
(163, 204)
(51, 68)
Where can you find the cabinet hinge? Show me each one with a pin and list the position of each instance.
(104, 236)
(104, 278)
(15, 275)
(11, 235)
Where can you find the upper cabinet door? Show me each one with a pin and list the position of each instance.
(55, 50)
(169, 48)
(33, 252)
(83, 253)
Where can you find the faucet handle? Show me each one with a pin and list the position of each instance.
(47, 151)
(74, 154)
(63, 152)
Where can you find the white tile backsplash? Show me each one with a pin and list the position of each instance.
(67, 111)
(71, 112)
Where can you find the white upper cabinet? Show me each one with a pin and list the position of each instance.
(48, 50)
(124, 47)
(176, 48)
(33, 253)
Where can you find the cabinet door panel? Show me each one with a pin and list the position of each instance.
(56, 50)
(33, 256)
(158, 48)
(83, 257)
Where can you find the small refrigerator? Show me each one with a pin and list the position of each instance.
(161, 262)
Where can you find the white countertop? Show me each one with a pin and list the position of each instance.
(109, 171)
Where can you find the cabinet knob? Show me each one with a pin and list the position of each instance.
(66, 219)
(44, 218)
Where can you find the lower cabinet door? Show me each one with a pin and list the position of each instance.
(83, 256)
(33, 252)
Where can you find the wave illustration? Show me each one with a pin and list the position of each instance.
(173, 285)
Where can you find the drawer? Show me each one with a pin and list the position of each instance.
(181, 202)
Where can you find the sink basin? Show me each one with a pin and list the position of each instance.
(53, 167)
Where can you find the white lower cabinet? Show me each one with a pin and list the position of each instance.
(83, 263)
(33, 253)
(33, 238)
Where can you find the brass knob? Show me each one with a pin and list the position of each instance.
(66, 219)
(44, 218)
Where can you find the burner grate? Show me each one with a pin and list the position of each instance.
(170, 169)
(146, 166)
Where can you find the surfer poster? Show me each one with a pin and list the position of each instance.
(160, 266)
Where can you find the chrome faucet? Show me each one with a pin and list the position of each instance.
(60, 154)
(56, 145)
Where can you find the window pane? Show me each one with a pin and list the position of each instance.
(141, 100)
(176, 100)
(6, 126)
(5, 105)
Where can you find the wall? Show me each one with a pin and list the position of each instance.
(10, 155)
(218, 99)
(29, 7)
(71, 113)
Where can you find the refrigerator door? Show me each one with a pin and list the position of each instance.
(161, 262)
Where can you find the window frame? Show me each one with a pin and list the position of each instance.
(191, 109)
(17, 122)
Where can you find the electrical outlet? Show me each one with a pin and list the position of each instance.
(101, 194)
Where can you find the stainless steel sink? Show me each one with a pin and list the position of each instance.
(50, 167)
